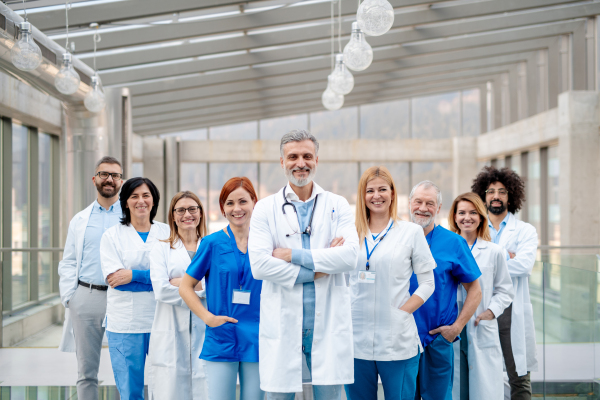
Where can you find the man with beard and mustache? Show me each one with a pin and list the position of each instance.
(438, 321)
(302, 241)
(503, 192)
(82, 286)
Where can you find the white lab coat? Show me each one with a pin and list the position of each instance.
(520, 238)
(121, 247)
(280, 332)
(175, 346)
(484, 351)
(68, 270)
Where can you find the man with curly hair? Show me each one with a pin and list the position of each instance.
(503, 192)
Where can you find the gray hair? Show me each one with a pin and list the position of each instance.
(108, 160)
(427, 185)
(298, 135)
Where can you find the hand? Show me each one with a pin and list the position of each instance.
(120, 277)
(487, 315)
(449, 332)
(337, 242)
(512, 255)
(217, 320)
(283, 254)
(320, 275)
(198, 287)
(176, 281)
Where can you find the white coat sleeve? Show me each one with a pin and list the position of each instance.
(159, 275)
(260, 249)
(335, 260)
(525, 253)
(67, 267)
(503, 293)
(110, 259)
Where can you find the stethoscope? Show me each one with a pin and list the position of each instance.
(308, 229)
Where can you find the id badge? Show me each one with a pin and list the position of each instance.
(241, 297)
(366, 276)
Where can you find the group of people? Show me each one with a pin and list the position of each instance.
(298, 288)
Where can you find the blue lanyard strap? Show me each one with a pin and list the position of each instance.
(236, 253)
(474, 243)
(369, 254)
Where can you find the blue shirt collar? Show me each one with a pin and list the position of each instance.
(503, 223)
(115, 207)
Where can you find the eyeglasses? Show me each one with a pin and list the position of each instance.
(182, 210)
(104, 175)
(501, 192)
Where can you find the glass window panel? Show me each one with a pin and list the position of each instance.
(533, 191)
(243, 131)
(471, 117)
(194, 178)
(339, 178)
(20, 234)
(500, 163)
(436, 117)
(340, 124)
(137, 169)
(195, 134)
(218, 175)
(389, 120)
(516, 163)
(439, 173)
(272, 179)
(553, 197)
(275, 128)
(45, 194)
(401, 174)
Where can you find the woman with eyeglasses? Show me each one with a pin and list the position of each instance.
(177, 334)
(232, 312)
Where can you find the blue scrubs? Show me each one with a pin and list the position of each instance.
(455, 264)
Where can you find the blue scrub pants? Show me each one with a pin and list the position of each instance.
(128, 353)
(436, 371)
(221, 380)
(399, 379)
(324, 392)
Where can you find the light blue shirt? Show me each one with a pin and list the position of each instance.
(303, 257)
(100, 220)
(495, 235)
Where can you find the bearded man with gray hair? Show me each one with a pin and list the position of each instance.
(438, 320)
(302, 241)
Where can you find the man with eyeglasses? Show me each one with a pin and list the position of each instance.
(503, 192)
(82, 286)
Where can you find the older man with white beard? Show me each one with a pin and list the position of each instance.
(302, 241)
(438, 320)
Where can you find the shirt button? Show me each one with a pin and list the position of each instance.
(470, 367)
(318, 313)
(318, 285)
(316, 340)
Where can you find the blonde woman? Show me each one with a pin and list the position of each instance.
(478, 374)
(177, 334)
(386, 341)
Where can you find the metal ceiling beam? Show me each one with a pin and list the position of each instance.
(290, 15)
(461, 27)
(323, 49)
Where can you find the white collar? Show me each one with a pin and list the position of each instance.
(292, 196)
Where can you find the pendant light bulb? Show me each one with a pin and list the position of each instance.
(330, 99)
(67, 80)
(94, 101)
(342, 81)
(25, 53)
(358, 54)
(375, 17)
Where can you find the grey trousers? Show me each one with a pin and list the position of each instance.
(520, 386)
(87, 309)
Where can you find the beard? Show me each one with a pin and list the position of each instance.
(104, 189)
(496, 210)
(289, 174)
(423, 220)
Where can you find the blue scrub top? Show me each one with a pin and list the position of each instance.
(455, 264)
(216, 262)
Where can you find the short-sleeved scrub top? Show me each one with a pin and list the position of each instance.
(383, 332)
(455, 265)
(216, 262)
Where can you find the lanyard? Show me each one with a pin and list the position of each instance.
(369, 254)
(238, 261)
(474, 243)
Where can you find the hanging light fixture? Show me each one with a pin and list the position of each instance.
(67, 80)
(341, 81)
(25, 53)
(94, 101)
(358, 55)
(330, 99)
(375, 17)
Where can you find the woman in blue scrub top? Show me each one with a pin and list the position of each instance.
(232, 296)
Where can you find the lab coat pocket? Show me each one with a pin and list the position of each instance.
(341, 308)
(486, 333)
(403, 330)
(270, 315)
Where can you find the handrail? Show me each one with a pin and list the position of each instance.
(547, 247)
(26, 249)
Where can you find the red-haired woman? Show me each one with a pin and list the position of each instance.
(233, 299)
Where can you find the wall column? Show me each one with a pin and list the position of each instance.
(464, 164)
(154, 169)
